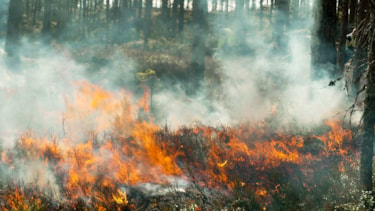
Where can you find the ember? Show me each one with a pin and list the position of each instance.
(110, 159)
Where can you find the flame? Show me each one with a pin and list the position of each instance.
(108, 143)
(120, 197)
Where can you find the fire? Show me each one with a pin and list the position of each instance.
(108, 145)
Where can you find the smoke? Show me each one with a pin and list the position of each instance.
(258, 80)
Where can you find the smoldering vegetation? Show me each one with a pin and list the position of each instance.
(84, 112)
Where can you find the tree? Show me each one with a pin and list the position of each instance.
(295, 9)
(181, 16)
(200, 29)
(147, 23)
(108, 20)
(239, 7)
(323, 46)
(341, 57)
(361, 42)
(353, 9)
(367, 151)
(260, 14)
(13, 27)
(47, 18)
(281, 23)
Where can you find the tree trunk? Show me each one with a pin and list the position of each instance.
(362, 11)
(239, 7)
(165, 15)
(260, 14)
(147, 22)
(353, 9)
(108, 22)
(295, 9)
(138, 19)
(323, 46)
(367, 150)
(341, 53)
(181, 17)
(46, 31)
(173, 21)
(361, 42)
(124, 25)
(13, 27)
(200, 29)
(281, 24)
(271, 9)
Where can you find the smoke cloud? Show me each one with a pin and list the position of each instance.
(259, 84)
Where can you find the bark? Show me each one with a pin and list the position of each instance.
(362, 11)
(367, 145)
(361, 42)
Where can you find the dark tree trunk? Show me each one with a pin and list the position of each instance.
(341, 53)
(367, 150)
(147, 23)
(124, 25)
(281, 23)
(200, 29)
(214, 5)
(108, 21)
(46, 31)
(261, 14)
(173, 21)
(362, 11)
(138, 19)
(13, 27)
(353, 9)
(165, 13)
(271, 9)
(226, 8)
(361, 42)
(181, 16)
(323, 45)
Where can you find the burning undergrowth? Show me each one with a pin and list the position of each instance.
(112, 156)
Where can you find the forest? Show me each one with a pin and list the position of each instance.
(187, 105)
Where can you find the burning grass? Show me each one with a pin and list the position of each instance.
(112, 157)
